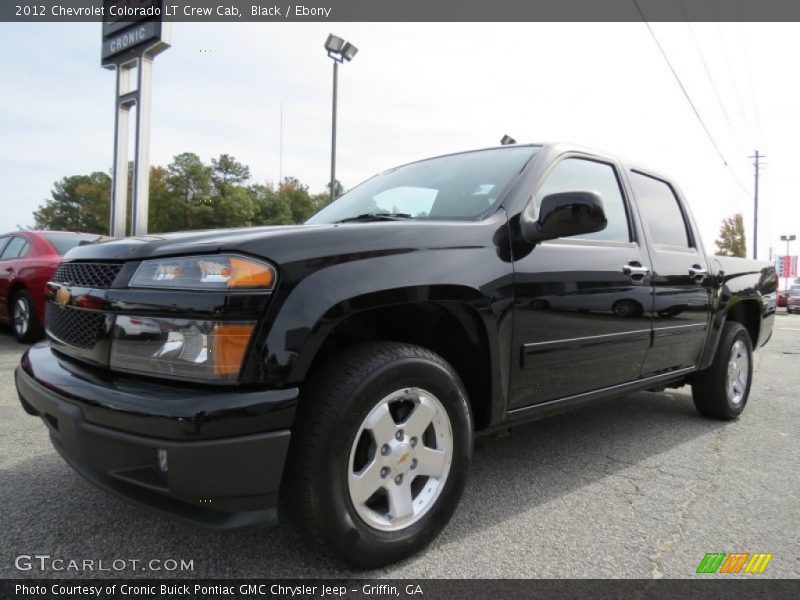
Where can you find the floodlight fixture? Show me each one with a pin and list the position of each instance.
(348, 51)
(334, 43)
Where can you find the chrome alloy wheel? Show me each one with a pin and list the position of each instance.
(22, 316)
(738, 372)
(400, 459)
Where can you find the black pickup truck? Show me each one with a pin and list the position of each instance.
(347, 364)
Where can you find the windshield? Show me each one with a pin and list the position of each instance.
(460, 186)
(64, 242)
(795, 291)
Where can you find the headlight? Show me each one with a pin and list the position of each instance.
(180, 348)
(214, 272)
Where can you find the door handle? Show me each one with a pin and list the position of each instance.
(698, 273)
(636, 271)
(9, 269)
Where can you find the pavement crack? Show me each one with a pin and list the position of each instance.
(679, 526)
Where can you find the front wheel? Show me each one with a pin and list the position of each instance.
(24, 322)
(380, 452)
(721, 391)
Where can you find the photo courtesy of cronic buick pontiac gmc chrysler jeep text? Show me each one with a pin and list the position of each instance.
(343, 367)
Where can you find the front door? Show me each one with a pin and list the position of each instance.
(582, 304)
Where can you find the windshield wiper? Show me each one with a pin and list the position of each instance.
(377, 217)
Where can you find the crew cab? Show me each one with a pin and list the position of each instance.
(345, 366)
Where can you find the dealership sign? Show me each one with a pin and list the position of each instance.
(133, 34)
(786, 266)
(130, 26)
(131, 38)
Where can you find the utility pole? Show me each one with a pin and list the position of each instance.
(757, 165)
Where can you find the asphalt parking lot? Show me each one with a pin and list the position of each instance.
(635, 487)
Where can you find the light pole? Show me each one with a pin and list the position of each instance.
(339, 51)
(787, 239)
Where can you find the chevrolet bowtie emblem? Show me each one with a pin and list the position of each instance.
(63, 296)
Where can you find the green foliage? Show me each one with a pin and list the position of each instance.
(731, 241)
(78, 203)
(185, 195)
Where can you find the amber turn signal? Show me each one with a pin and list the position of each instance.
(230, 342)
(250, 274)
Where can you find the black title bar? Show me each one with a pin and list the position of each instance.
(394, 589)
(36, 11)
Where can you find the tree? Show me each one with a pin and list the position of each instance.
(167, 213)
(270, 208)
(77, 203)
(731, 241)
(338, 187)
(189, 180)
(227, 171)
(296, 195)
(186, 194)
(233, 205)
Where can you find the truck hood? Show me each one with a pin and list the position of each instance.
(288, 244)
(173, 244)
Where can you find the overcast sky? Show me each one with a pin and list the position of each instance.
(416, 90)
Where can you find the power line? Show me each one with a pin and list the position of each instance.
(733, 83)
(709, 76)
(748, 72)
(689, 98)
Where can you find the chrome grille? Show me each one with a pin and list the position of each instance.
(90, 275)
(74, 327)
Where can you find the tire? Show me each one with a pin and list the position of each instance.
(720, 392)
(24, 321)
(627, 308)
(343, 445)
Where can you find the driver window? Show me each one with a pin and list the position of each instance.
(578, 174)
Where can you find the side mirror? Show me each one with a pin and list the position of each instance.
(564, 214)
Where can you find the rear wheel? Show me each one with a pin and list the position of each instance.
(722, 390)
(380, 452)
(24, 322)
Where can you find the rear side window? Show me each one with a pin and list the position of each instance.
(3, 242)
(578, 175)
(17, 248)
(662, 212)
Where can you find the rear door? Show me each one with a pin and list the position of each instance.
(581, 318)
(682, 289)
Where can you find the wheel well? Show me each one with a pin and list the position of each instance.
(12, 291)
(451, 330)
(748, 314)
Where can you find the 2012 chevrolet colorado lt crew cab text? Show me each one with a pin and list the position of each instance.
(347, 364)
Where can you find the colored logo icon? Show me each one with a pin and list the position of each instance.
(735, 562)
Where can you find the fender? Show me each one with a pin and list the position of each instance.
(308, 307)
(754, 287)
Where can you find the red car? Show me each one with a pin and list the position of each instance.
(28, 260)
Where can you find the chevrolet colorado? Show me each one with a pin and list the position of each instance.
(347, 364)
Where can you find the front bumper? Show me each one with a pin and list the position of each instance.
(225, 448)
